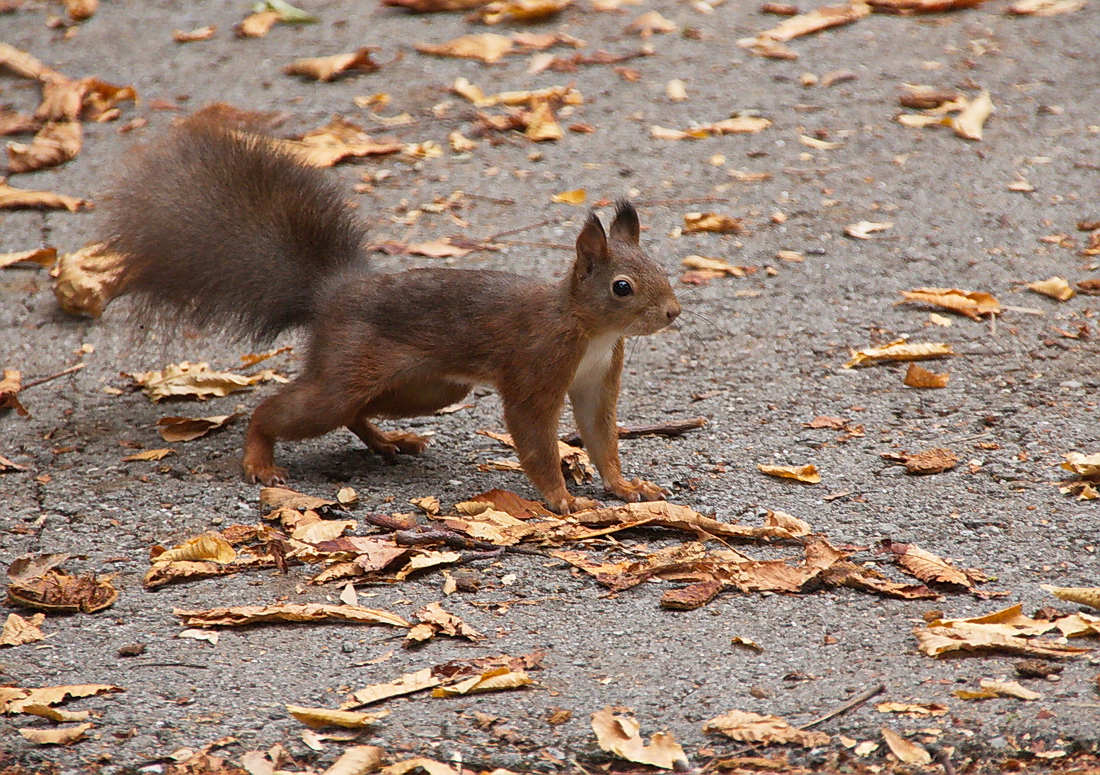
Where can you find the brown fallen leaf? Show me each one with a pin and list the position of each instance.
(338, 140)
(541, 123)
(648, 24)
(1089, 596)
(486, 47)
(12, 198)
(620, 735)
(1055, 288)
(908, 7)
(929, 461)
(87, 280)
(723, 224)
(190, 36)
(56, 714)
(37, 582)
(573, 197)
(54, 144)
(969, 123)
(19, 631)
(10, 386)
(208, 546)
(714, 267)
(1044, 7)
(1086, 466)
(973, 304)
(738, 125)
(907, 752)
(927, 567)
(439, 621)
(1008, 689)
(57, 736)
(43, 257)
(148, 454)
(899, 350)
(406, 684)
(319, 718)
(14, 699)
(434, 6)
(927, 97)
(804, 24)
(80, 10)
(239, 616)
(185, 379)
(256, 25)
(495, 680)
(920, 377)
(520, 10)
(328, 68)
(101, 99)
(748, 727)
(173, 429)
(806, 473)
(22, 63)
(864, 229)
(916, 710)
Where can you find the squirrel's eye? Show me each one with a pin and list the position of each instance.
(622, 288)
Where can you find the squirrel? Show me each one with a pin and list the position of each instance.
(229, 229)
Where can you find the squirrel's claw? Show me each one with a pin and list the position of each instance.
(269, 477)
(637, 490)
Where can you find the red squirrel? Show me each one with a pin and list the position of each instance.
(231, 230)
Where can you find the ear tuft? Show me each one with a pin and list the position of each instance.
(625, 226)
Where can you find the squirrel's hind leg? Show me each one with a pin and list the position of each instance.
(386, 443)
(301, 410)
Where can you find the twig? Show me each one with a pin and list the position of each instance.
(855, 702)
(672, 428)
(492, 199)
(169, 664)
(497, 236)
(556, 245)
(52, 377)
(689, 200)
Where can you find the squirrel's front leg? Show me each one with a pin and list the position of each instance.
(594, 394)
(533, 425)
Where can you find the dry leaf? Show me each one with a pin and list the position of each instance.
(1008, 689)
(973, 304)
(357, 760)
(148, 454)
(920, 377)
(768, 42)
(521, 10)
(12, 198)
(863, 229)
(208, 546)
(460, 143)
(968, 124)
(54, 144)
(57, 736)
(716, 266)
(433, 6)
(926, 566)
(722, 224)
(486, 47)
(339, 139)
(748, 727)
(620, 735)
(439, 621)
(419, 763)
(1087, 466)
(201, 33)
(899, 350)
(18, 631)
(907, 752)
(541, 123)
(675, 90)
(240, 616)
(649, 23)
(1089, 596)
(10, 386)
(327, 68)
(498, 679)
(44, 257)
(189, 379)
(318, 718)
(930, 461)
(807, 473)
(173, 429)
(820, 145)
(37, 582)
(1044, 7)
(738, 125)
(406, 684)
(87, 280)
(1055, 288)
(574, 197)
(256, 25)
(56, 714)
(912, 709)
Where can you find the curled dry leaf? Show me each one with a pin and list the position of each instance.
(541, 123)
(620, 735)
(240, 616)
(190, 36)
(920, 377)
(646, 25)
(439, 621)
(723, 224)
(486, 47)
(1008, 689)
(56, 736)
(864, 229)
(1007, 630)
(913, 709)
(54, 144)
(56, 714)
(18, 631)
(1086, 466)
(748, 727)
(1055, 288)
(338, 140)
(769, 42)
(430, 766)
(195, 380)
(521, 10)
(807, 473)
(573, 197)
(973, 304)
(37, 582)
(87, 280)
(256, 25)
(173, 429)
(434, 6)
(318, 718)
(969, 123)
(927, 97)
(14, 700)
(44, 257)
(327, 68)
(926, 566)
(818, 144)
(495, 680)
(899, 350)
(729, 126)
(907, 752)
(12, 198)
(717, 266)
(148, 454)
(208, 546)
(406, 684)
(929, 461)
(10, 386)
(907, 7)
(1089, 596)
(460, 143)
(358, 760)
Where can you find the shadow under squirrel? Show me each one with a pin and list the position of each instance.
(231, 230)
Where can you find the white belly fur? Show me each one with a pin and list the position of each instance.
(596, 361)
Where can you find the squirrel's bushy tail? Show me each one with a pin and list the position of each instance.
(227, 229)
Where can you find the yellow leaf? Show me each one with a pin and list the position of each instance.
(807, 473)
(1055, 288)
(495, 680)
(208, 546)
(899, 350)
(316, 718)
(487, 47)
(968, 124)
(746, 727)
(574, 197)
(621, 736)
(907, 752)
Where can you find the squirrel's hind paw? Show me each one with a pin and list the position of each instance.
(637, 490)
(269, 476)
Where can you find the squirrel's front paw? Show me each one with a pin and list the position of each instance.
(571, 504)
(269, 476)
(637, 490)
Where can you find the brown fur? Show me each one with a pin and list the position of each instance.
(255, 242)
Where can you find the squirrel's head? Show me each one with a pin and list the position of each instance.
(615, 284)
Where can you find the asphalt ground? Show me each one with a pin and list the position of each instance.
(763, 353)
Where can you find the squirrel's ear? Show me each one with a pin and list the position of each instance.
(591, 247)
(625, 226)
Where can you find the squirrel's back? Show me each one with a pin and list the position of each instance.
(228, 229)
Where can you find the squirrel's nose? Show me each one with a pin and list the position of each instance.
(673, 310)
